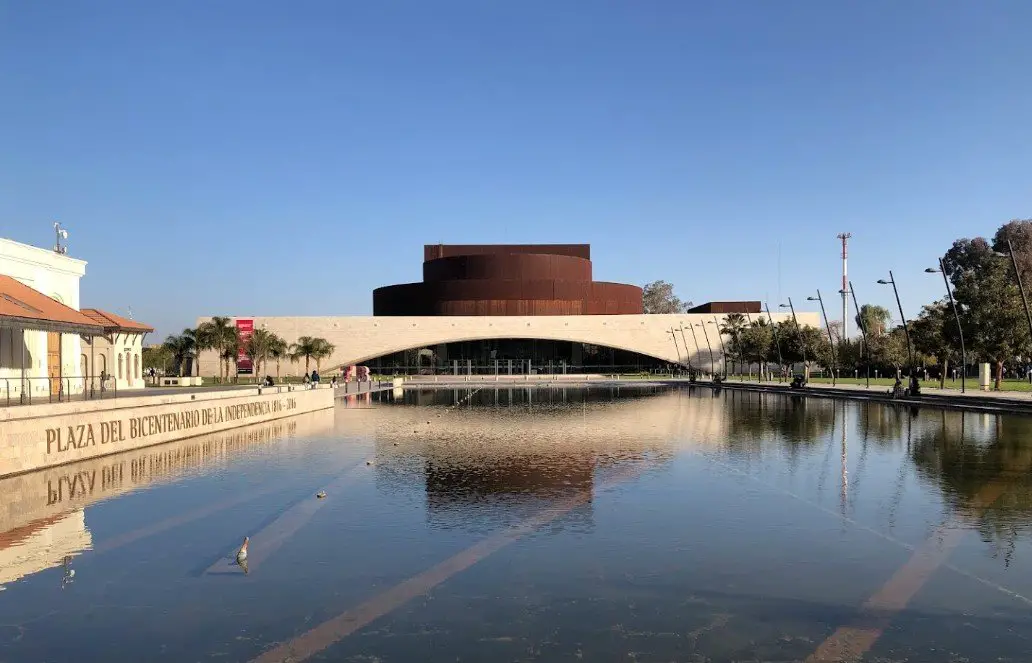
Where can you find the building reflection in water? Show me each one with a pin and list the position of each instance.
(488, 457)
(44, 522)
(42, 544)
(505, 451)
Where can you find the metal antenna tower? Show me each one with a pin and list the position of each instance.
(845, 284)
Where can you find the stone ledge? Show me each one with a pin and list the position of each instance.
(40, 441)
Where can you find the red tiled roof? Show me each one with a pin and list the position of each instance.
(112, 322)
(32, 309)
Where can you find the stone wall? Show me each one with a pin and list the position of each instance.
(34, 498)
(35, 437)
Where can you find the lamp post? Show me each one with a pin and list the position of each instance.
(906, 330)
(688, 354)
(676, 346)
(795, 321)
(777, 342)
(712, 361)
(831, 338)
(694, 337)
(960, 330)
(723, 353)
(1021, 287)
(863, 332)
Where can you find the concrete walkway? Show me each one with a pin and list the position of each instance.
(981, 401)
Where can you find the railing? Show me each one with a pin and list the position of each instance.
(363, 387)
(29, 391)
(520, 368)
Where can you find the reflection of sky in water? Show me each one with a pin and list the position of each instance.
(701, 526)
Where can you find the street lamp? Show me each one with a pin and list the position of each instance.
(1021, 287)
(695, 338)
(720, 337)
(688, 353)
(863, 331)
(795, 320)
(712, 361)
(831, 338)
(777, 342)
(676, 346)
(906, 330)
(960, 330)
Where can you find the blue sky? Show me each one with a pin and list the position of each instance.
(275, 158)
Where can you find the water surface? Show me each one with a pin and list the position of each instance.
(535, 524)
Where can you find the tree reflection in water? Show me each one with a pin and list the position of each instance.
(961, 453)
(753, 418)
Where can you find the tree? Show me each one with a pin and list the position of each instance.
(875, 319)
(180, 346)
(1019, 232)
(258, 348)
(732, 327)
(890, 349)
(987, 295)
(309, 348)
(225, 339)
(204, 338)
(659, 297)
(278, 349)
(757, 343)
(157, 357)
(935, 334)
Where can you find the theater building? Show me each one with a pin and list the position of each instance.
(510, 308)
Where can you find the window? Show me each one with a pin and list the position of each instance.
(119, 366)
(136, 366)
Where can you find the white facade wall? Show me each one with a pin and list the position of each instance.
(121, 358)
(361, 338)
(56, 276)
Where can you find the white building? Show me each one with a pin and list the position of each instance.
(48, 347)
(118, 354)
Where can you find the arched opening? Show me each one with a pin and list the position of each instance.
(84, 366)
(516, 356)
(136, 367)
(128, 368)
(103, 366)
(120, 366)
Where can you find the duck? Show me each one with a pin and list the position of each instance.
(241, 555)
(321, 494)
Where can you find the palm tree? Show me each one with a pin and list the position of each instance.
(258, 348)
(230, 352)
(204, 338)
(224, 335)
(180, 347)
(278, 349)
(734, 325)
(309, 348)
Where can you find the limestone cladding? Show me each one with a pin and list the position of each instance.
(361, 338)
(29, 441)
(57, 276)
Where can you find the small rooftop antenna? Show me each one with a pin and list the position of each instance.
(130, 312)
(60, 233)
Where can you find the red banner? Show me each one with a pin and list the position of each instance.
(245, 327)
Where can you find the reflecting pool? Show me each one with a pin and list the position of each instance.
(630, 523)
